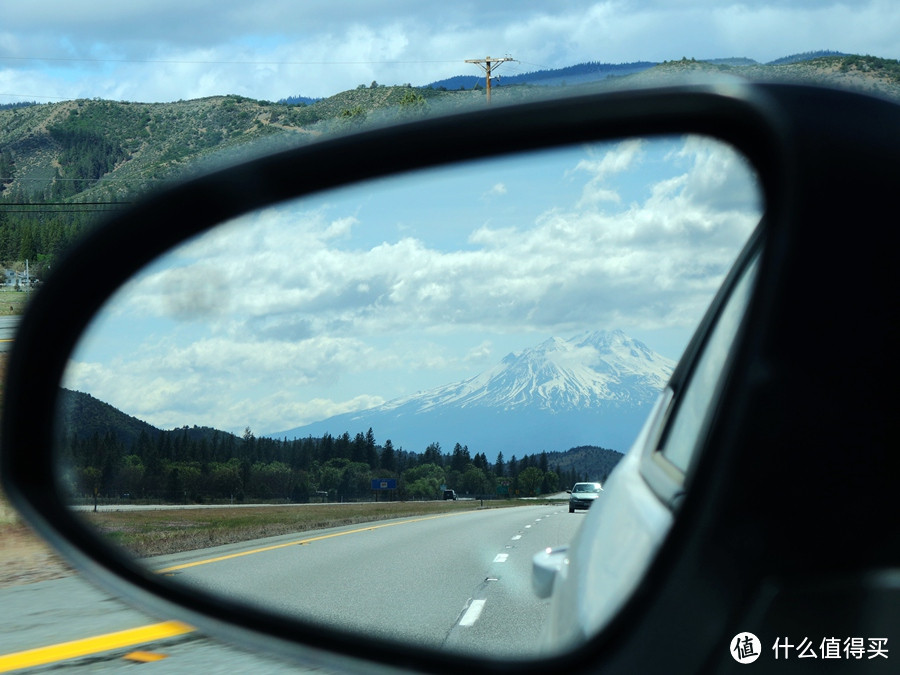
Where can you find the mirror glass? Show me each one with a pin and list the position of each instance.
(364, 408)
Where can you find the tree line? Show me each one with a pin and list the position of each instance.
(201, 465)
(35, 225)
(38, 236)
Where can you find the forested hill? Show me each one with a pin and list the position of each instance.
(578, 74)
(87, 416)
(107, 454)
(586, 460)
(64, 165)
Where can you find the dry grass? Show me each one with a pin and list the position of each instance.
(149, 533)
(24, 557)
(13, 302)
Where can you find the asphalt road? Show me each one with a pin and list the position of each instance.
(8, 325)
(459, 582)
(69, 626)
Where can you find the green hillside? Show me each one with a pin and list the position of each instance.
(65, 165)
(107, 454)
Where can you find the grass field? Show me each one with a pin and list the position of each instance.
(12, 302)
(158, 532)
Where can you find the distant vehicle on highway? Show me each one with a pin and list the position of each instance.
(582, 495)
(450, 494)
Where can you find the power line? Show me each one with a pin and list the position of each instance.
(60, 203)
(33, 96)
(220, 62)
(62, 207)
(135, 179)
(536, 65)
(59, 210)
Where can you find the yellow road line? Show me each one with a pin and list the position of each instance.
(92, 645)
(158, 631)
(298, 542)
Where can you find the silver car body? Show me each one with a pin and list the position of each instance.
(592, 578)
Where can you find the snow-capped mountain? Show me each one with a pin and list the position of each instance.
(590, 370)
(593, 389)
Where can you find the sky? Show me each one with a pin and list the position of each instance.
(345, 300)
(169, 50)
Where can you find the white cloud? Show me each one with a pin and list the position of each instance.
(624, 157)
(253, 276)
(481, 352)
(498, 190)
(167, 50)
(278, 314)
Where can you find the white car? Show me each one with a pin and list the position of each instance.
(583, 495)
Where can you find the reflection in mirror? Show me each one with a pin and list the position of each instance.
(315, 408)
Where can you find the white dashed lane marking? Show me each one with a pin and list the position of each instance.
(472, 614)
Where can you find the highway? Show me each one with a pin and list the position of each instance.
(8, 325)
(457, 581)
(460, 581)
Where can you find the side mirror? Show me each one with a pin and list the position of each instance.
(66, 319)
(546, 566)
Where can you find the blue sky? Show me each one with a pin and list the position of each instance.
(166, 50)
(349, 299)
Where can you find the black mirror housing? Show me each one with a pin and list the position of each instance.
(800, 406)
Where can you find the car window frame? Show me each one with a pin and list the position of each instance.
(667, 480)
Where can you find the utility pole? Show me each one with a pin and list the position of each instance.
(486, 64)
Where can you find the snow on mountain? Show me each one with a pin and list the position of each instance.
(593, 389)
(589, 370)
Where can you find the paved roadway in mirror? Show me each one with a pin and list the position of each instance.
(8, 325)
(460, 582)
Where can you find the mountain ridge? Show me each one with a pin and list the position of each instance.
(593, 389)
(137, 457)
(97, 155)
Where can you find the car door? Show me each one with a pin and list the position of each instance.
(622, 533)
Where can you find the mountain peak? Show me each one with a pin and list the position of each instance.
(552, 394)
(590, 369)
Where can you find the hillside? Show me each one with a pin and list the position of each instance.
(571, 75)
(92, 150)
(87, 417)
(105, 150)
(105, 452)
(589, 461)
(867, 74)
(64, 165)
